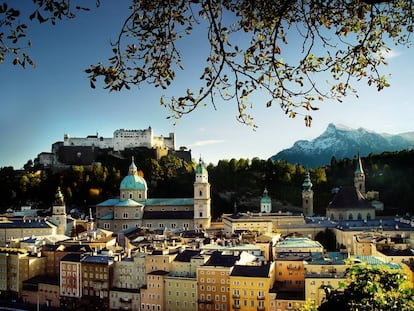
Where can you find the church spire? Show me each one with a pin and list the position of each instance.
(359, 177)
(132, 168)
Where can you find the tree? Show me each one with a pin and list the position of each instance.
(342, 41)
(371, 288)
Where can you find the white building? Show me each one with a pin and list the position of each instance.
(124, 139)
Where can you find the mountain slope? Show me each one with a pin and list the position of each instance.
(343, 142)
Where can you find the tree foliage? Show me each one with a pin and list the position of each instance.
(371, 288)
(339, 41)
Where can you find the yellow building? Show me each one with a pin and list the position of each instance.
(181, 283)
(249, 287)
(214, 283)
(180, 293)
(16, 266)
(322, 271)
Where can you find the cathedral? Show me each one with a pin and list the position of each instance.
(134, 209)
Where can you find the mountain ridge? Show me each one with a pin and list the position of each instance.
(341, 141)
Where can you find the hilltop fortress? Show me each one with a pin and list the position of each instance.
(124, 139)
(85, 150)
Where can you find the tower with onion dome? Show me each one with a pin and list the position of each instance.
(202, 199)
(307, 196)
(265, 202)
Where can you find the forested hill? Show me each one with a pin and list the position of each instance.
(239, 182)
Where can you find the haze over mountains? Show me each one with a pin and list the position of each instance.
(343, 142)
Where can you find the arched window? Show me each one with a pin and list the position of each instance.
(368, 216)
(200, 193)
(359, 216)
(350, 216)
(341, 217)
(332, 216)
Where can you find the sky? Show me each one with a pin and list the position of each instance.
(39, 106)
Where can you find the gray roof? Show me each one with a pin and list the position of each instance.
(350, 198)
(251, 271)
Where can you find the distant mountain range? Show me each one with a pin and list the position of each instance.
(342, 142)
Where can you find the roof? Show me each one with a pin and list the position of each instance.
(168, 215)
(186, 255)
(133, 182)
(251, 271)
(20, 223)
(121, 203)
(349, 197)
(298, 243)
(217, 259)
(97, 259)
(158, 272)
(72, 257)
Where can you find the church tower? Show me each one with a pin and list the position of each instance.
(307, 196)
(202, 200)
(59, 212)
(265, 202)
(359, 177)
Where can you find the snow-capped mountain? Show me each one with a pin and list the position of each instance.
(342, 142)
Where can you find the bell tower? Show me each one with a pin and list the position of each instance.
(359, 177)
(202, 199)
(307, 196)
(59, 212)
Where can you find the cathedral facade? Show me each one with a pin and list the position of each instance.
(133, 209)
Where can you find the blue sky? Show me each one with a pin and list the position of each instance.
(38, 106)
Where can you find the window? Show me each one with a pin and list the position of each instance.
(107, 225)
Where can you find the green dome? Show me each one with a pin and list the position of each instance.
(201, 169)
(133, 182)
(265, 198)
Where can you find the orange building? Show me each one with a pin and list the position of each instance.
(213, 283)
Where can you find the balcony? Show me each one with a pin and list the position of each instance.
(236, 306)
(260, 297)
(261, 308)
(236, 296)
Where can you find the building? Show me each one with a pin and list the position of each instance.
(96, 280)
(70, 280)
(181, 283)
(123, 139)
(133, 209)
(350, 203)
(213, 282)
(16, 266)
(17, 229)
(249, 287)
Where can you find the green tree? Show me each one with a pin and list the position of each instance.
(371, 288)
(342, 41)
